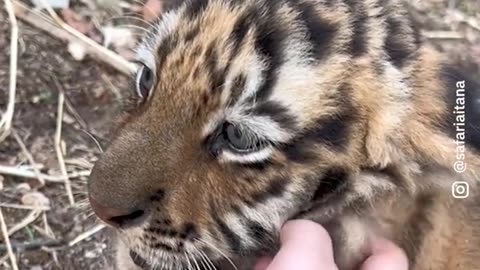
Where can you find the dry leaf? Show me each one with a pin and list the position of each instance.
(152, 10)
(35, 199)
(81, 24)
(76, 21)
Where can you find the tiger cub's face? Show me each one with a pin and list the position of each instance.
(245, 112)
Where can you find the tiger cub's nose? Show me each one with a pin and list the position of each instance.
(117, 217)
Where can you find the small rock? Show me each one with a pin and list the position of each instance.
(35, 199)
(90, 255)
(68, 119)
(23, 188)
(77, 50)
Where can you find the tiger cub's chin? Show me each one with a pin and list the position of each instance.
(122, 260)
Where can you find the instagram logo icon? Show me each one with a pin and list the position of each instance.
(460, 190)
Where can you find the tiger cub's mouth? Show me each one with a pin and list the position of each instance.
(185, 261)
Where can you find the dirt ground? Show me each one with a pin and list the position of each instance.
(93, 98)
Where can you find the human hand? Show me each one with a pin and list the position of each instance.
(308, 246)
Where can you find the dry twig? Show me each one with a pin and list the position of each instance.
(86, 235)
(112, 87)
(35, 244)
(462, 17)
(26, 173)
(58, 146)
(7, 117)
(443, 35)
(6, 238)
(71, 109)
(25, 207)
(25, 222)
(29, 157)
(58, 28)
(4, 259)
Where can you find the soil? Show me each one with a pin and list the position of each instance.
(94, 92)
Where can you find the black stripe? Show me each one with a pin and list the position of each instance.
(238, 86)
(232, 239)
(275, 189)
(298, 151)
(261, 236)
(397, 43)
(276, 112)
(168, 5)
(415, 26)
(358, 44)
(333, 131)
(240, 30)
(256, 231)
(258, 166)
(211, 61)
(189, 232)
(139, 260)
(195, 7)
(165, 48)
(217, 73)
(270, 43)
(334, 180)
(192, 33)
(320, 32)
(162, 246)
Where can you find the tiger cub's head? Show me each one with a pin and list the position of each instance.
(246, 111)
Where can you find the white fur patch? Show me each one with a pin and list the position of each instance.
(235, 224)
(366, 185)
(253, 157)
(145, 52)
(255, 78)
(396, 84)
(270, 214)
(262, 126)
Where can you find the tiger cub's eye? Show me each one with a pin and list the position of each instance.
(238, 139)
(145, 81)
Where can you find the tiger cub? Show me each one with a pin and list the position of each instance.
(250, 113)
